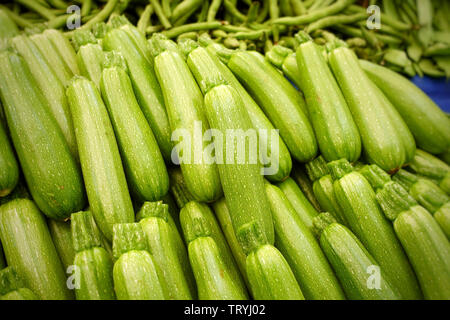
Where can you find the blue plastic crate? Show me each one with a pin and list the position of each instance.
(437, 89)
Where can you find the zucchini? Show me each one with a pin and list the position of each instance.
(52, 89)
(52, 174)
(153, 218)
(266, 267)
(62, 239)
(203, 62)
(64, 48)
(424, 242)
(357, 200)
(285, 59)
(9, 169)
(224, 218)
(353, 264)
(12, 287)
(2, 258)
(241, 179)
(295, 241)
(8, 28)
(194, 210)
(305, 211)
(90, 55)
(336, 132)
(142, 160)
(425, 164)
(103, 173)
(93, 263)
(185, 109)
(383, 143)
(146, 87)
(305, 184)
(29, 249)
(323, 188)
(136, 275)
(178, 187)
(280, 101)
(427, 122)
(216, 279)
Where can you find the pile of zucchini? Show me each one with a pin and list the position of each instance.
(101, 200)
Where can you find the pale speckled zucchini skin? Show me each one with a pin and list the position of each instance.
(242, 184)
(203, 62)
(20, 294)
(65, 49)
(364, 217)
(301, 250)
(62, 239)
(270, 276)
(185, 107)
(103, 173)
(9, 169)
(95, 268)
(145, 85)
(144, 165)
(279, 100)
(383, 143)
(428, 250)
(90, 59)
(427, 122)
(52, 173)
(51, 87)
(351, 262)
(336, 132)
(136, 277)
(29, 249)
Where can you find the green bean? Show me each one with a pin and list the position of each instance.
(166, 8)
(232, 28)
(160, 14)
(355, 32)
(20, 21)
(298, 7)
(58, 22)
(175, 32)
(425, 17)
(145, 18)
(152, 29)
(430, 69)
(335, 8)
(213, 8)
(444, 64)
(185, 8)
(203, 15)
(38, 8)
(252, 13)
(274, 12)
(86, 7)
(219, 33)
(316, 5)
(414, 51)
(333, 20)
(228, 16)
(438, 49)
(102, 15)
(188, 35)
(385, 19)
(286, 8)
(231, 43)
(390, 9)
(233, 11)
(264, 12)
(58, 4)
(412, 14)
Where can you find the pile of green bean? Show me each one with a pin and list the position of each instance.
(413, 38)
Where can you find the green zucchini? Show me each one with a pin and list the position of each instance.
(323, 188)
(357, 200)
(93, 263)
(136, 275)
(64, 48)
(305, 184)
(204, 62)
(153, 218)
(90, 55)
(143, 163)
(285, 59)
(280, 101)
(2, 258)
(427, 122)
(216, 279)
(336, 132)
(178, 187)
(145, 85)
(224, 218)
(383, 142)
(8, 28)
(52, 89)
(9, 169)
(445, 156)
(103, 173)
(305, 211)
(29, 249)
(242, 182)
(295, 241)
(62, 239)
(185, 109)
(12, 286)
(427, 165)
(353, 265)
(266, 267)
(52, 174)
